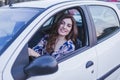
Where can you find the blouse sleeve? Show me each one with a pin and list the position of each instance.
(40, 46)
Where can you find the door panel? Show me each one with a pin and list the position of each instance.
(108, 53)
(74, 68)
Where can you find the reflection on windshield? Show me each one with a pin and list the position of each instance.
(13, 21)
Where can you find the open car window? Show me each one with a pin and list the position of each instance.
(44, 29)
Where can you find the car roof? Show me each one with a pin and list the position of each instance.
(48, 3)
(115, 2)
(39, 3)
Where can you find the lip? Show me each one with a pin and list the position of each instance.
(63, 30)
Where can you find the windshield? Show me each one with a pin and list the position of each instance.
(12, 22)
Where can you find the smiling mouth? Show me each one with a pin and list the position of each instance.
(62, 30)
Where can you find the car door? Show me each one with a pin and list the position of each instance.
(80, 67)
(108, 41)
(80, 64)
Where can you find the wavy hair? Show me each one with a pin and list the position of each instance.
(54, 33)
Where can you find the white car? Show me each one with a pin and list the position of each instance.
(117, 4)
(23, 24)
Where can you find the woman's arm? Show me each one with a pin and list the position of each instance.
(37, 50)
(33, 53)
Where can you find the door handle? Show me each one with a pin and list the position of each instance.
(89, 63)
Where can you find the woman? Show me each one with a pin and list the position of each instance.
(60, 40)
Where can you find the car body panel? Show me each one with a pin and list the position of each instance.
(106, 59)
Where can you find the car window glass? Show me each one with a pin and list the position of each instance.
(76, 15)
(48, 23)
(13, 22)
(105, 20)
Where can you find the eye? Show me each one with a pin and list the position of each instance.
(69, 25)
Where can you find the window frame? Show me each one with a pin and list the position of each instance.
(86, 34)
(111, 34)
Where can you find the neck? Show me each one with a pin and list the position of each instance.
(61, 37)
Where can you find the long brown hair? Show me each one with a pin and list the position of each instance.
(54, 33)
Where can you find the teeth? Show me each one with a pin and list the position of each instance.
(63, 30)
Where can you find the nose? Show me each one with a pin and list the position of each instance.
(65, 26)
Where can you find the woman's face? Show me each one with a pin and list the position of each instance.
(65, 27)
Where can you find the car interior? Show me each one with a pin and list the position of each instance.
(47, 27)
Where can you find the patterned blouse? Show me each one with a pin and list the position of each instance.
(67, 47)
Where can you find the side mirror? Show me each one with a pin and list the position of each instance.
(42, 65)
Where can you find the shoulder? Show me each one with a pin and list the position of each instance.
(45, 37)
(70, 44)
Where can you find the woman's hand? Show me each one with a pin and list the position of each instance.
(33, 53)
